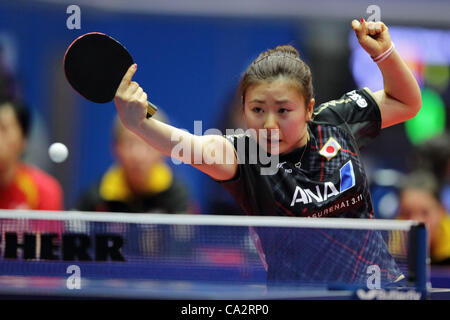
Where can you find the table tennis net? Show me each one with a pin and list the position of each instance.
(218, 249)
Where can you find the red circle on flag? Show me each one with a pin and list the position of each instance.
(330, 149)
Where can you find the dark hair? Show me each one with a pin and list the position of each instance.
(420, 180)
(21, 112)
(434, 155)
(283, 61)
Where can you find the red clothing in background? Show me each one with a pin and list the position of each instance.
(31, 188)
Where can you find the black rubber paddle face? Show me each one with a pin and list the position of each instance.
(95, 64)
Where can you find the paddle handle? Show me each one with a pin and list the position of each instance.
(151, 109)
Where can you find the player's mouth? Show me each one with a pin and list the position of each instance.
(273, 140)
(274, 146)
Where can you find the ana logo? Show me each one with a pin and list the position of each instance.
(330, 149)
(328, 189)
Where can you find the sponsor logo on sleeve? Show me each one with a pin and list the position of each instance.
(359, 99)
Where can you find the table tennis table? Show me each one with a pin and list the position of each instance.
(38, 287)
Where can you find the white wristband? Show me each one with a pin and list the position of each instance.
(385, 54)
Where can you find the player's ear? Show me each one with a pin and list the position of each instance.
(309, 109)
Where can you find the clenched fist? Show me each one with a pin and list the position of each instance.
(372, 36)
(131, 101)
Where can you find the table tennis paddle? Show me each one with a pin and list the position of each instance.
(94, 65)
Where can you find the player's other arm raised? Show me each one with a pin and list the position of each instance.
(400, 99)
(131, 102)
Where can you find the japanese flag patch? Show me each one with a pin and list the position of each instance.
(330, 149)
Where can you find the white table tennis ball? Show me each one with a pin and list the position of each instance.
(58, 152)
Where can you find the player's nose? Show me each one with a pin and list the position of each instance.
(271, 121)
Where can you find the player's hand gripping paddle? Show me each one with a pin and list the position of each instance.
(95, 64)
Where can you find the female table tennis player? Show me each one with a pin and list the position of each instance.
(320, 173)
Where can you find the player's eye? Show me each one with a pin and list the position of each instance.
(283, 110)
(257, 109)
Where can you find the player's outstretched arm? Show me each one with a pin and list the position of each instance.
(131, 104)
(401, 98)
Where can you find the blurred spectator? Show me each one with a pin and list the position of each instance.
(434, 155)
(22, 186)
(140, 180)
(8, 84)
(232, 117)
(419, 200)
